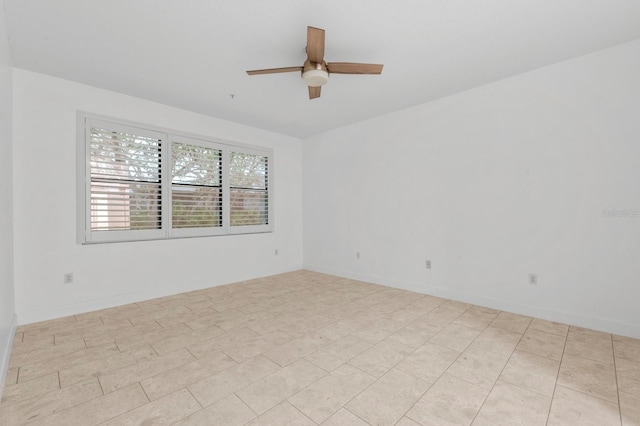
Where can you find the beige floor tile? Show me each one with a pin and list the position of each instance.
(185, 339)
(269, 325)
(321, 399)
(230, 411)
(511, 405)
(103, 366)
(343, 328)
(381, 358)
(46, 353)
(475, 318)
(378, 330)
(589, 334)
(542, 344)
(583, 345)
(250, 348)
(630, 408)
(449, 402)
(40, 368)
(275, 388)
(164, 411)
(549, 327)
(339, 352)
(531, 372)
(40, 406)
(295, 349)
(406, 421)
(512, 322)
(307, 324)
(456, 306)
(143, 369)
(627, 348)
(184, 375)
(135, 339)
(407, 314)
(133, 334)
(590, 377)
(428, 362)
(497, 340)
(32, 343)
(283, 414)
(628, 373)
(231, 338)
(24, 390)
(344, 418)
(51, 325)
(455, 336)
(92, 330)
(427, 302)
(415, 334)
(12, 376)
(479, 367)
(159, 314)
(441, 316)
(377, 405)
(570, 407)
(226, 382)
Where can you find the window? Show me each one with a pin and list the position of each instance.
(137, 183)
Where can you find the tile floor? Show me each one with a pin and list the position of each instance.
(303, 349)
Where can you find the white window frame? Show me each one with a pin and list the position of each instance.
(85, 121)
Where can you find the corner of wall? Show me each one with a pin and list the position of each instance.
(6, 355)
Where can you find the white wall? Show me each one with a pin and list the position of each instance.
(112, 274)
(490, 185)
(7, 310)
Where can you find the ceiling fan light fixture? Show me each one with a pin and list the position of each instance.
(315, 77)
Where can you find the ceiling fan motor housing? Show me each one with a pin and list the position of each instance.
(315, 74)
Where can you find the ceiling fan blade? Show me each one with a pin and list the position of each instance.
(274, 70)
(353, 68)
(314, 92)
(315, 44)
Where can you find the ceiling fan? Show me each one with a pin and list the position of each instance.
(315, 71)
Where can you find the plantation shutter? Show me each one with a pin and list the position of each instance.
(196, 187)
(249, 190)
(125, 181)
(139, 183)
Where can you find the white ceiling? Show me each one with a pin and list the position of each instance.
(193, 54)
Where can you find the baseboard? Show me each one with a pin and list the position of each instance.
(6, 355)
(44, 314)
(599, 324)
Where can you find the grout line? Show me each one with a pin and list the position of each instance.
(615, 370)
(100, 384)
(145, 392)
(553, 394)
(235, 393)
(298, 410)
(345, 407)
(194, 397)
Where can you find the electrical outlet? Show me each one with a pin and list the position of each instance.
(428, 264)
(533, 279)
(68, 278)
(358, 255)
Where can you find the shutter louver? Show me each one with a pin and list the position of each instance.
(125, 171)
(249, 186)
(196, 186)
